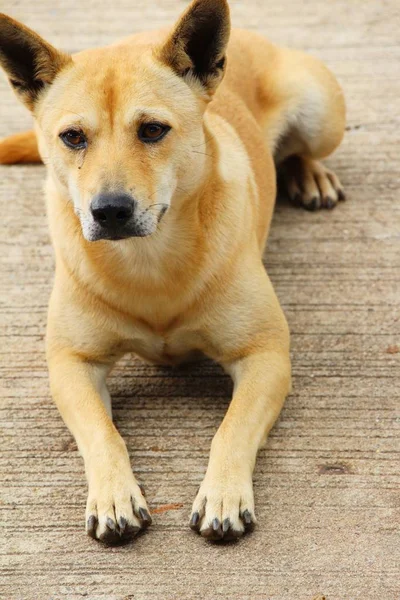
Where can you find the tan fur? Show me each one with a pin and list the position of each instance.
(19, 148)
(197, 284)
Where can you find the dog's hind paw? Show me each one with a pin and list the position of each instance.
(309, 183)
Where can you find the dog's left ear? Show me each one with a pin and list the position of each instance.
(196, 48)
(30, 62)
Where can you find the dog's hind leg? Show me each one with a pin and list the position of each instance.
(305, 122)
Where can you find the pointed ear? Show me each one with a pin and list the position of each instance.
(198, 43)
(30, 63)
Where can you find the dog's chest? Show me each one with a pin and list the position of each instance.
(164, 347)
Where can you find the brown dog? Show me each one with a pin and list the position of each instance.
(161, 185)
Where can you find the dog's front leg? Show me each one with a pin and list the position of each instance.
(116, 509)
(224, 506)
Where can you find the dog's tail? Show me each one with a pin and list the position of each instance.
(19, 148)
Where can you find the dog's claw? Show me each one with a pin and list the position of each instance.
(313, 205)
(194, 521)
(226, 525)
(117, 533)
(145, 517)
(329, 203)
(92, 523)
(111, 535)
(122, 523)
(248, 520)
(216, 524)
(218, 532)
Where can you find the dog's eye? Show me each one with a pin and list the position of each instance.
(74, 139)
(152, 132)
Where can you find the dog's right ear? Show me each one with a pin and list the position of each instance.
(30, 63)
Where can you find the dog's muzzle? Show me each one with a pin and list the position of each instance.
(116, 217)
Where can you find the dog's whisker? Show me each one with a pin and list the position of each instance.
(158, 204)
(206, 141)
(203, 153)
(71, 111)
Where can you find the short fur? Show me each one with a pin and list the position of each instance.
(196, 283)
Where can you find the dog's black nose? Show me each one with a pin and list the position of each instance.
(112, 211)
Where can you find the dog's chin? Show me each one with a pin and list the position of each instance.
(135, 228)
(97, 234)
(117, 237)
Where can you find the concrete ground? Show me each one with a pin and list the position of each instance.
(327, 485)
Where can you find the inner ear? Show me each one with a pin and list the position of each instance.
(20, 60)
(198, 43)
(29, 61)
(203, 37)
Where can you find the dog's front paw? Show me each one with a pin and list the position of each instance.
(116, 509)
(224, 508)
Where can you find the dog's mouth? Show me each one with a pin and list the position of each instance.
(119, 237)
(97, 233)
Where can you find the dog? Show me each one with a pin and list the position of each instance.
(162, 155)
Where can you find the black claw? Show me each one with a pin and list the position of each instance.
(194, 521)
(226, 525)
(216, 524)
(313, 205)
(116, 535)
(217, 528)
(341, 195)
(248, 520)
(145, 517)
(127, 531)
(246, 516)
(92, 523)
(141, 487)
(330, 203)
(122, 523)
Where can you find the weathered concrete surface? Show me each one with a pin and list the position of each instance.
(327, 485)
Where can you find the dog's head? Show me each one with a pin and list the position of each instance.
(122, 128)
